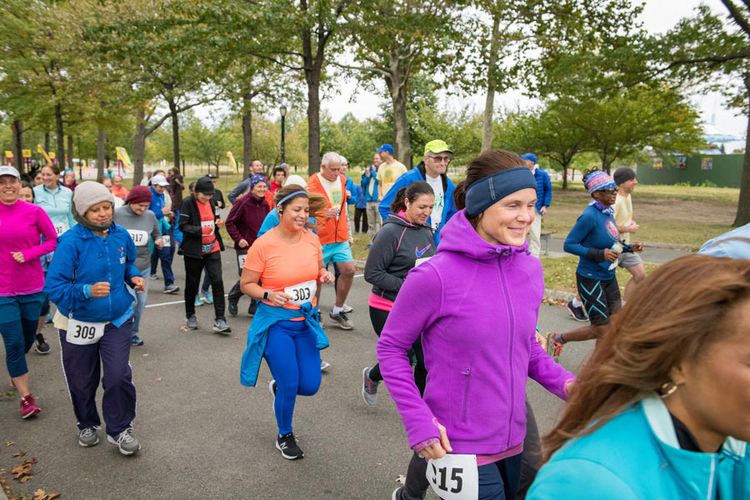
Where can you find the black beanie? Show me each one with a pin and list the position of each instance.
(623, 174)
(204, 185)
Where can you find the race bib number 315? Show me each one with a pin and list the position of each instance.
(454, 477)
(302, 292)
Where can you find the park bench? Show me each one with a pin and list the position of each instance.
(544, 238)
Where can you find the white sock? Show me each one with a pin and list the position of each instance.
(336, 310)
(577, 303)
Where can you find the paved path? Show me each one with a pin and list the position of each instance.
(204, 435)
(651, 254)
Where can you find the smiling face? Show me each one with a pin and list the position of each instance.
(100, 214)
(295, 213)
(117, 181)
(259, 190)
(26, 194)
(420, 209)
(606, 197)
(69, 179)
(9, 189)
(436, 163)
(50, 178)
(256, 167)
(508, 221)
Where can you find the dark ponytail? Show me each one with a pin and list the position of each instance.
(411, 193)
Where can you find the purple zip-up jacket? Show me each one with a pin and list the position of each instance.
(476, 306)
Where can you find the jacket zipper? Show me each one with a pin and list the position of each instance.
(465, 407)
(510, 351)
(109, 275)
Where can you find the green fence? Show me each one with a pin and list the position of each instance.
(712, 170)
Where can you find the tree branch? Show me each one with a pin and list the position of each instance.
(737, 15)
(364, 69)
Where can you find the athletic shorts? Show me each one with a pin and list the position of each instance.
(629, 259)
(337, 252)
(601, 298)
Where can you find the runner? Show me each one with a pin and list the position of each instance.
(734, 244)
(388, 172)
(95, 317)
(279, 176)
(596, 241)
(661, 408)
(369, 184)
(626, 182)
(107, 183)
(161, 207)
(479, 298)
(141, 224)
(333, 231)
(243, 223)
(404, 241)
(201, 248)
(22, 226)
(69, 179)
(288, 260)
(118, 190)
(543, 201)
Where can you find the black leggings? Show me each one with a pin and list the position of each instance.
(193, 269)
(378, 317)
(360, 220)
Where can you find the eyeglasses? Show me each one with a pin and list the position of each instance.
(610, 191)
(441, 159)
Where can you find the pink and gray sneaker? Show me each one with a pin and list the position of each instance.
(29, 407)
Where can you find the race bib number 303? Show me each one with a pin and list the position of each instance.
(302, 292)
(454, 477)
(83, 333)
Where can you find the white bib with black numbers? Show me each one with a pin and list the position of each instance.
(140, 238)
(302, 292)
(241, 260)
(454, 477)
(61, 228)
(83, 332)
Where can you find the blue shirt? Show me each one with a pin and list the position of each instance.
(543, 189)
(593, 232)
(735, 244)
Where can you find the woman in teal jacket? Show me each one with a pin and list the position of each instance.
(662, 409)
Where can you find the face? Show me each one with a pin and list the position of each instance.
(117, 181)
(628, 186)
(331, 171)
(376, 159)
(139, 208)
(420, 209)
(436, 163)
(386, 156)
(279, 177)
(508, 221)
(49, 178)
(714, 388)
(9, 189)
(259, 190)
(606, 197)
(26, 194)
(202, 197)
(159, 189)
(38, 179)
(295, 213)
(107, 183)
(100, 214)
(256, 167)
(69, 178)
(530, 164)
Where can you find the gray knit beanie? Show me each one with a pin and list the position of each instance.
(88, 194)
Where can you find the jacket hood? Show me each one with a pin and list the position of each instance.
(401, 221)
(84, 233)
(459, 236)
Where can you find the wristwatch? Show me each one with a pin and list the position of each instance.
(265, 295)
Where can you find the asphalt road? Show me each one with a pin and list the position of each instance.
(204, 435)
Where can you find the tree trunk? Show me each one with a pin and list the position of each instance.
(565, 176)
(70, 152)
(313, 64)
(60, 137)
(101, 152)
(397, 88)
(489, 103)
(139, 145)
(175, 133)
(743, 206)
(17, 129)
(247, 135)
(46, 142)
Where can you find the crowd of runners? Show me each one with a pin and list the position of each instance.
(659, 410)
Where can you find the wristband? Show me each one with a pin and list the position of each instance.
(265, 295)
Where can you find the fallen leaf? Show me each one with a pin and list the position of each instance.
(40, 494)
(145, 355)
(401, 479)
(20, 453)
(9, 443)
(158, 379)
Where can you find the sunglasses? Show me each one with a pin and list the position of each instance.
(609, 191)
(443, 159)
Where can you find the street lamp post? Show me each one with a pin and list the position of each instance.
(282, 110)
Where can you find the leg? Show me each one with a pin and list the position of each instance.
(118, 403)
(345, 282)
(282, 361)
(308, 363)
(416, 484)
(510, 471)
(154, 261)
(167, 255)
(377, 318)
(81, 370)
(206, 283)
(595, 302)
(535, 233)
(420, 371)
(213, 272)
(140, 306)
(15, 356)
(193, 269)
(638, 272)
(531, 458)
(372, 217)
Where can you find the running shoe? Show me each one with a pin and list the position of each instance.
(125, 442)
(232, 308)
(287, 445)
(136, 340)
(554, 346)
(324, 365)
(170, 289)
(192, 322)
(41, 346)
(341, 320)
(198, 301)
(396, 495)
(221, 326)
(154, 276)
(29, 407)
(369, 388)
(576, 311)
(88, 437)
(347, 309)
(207, 297)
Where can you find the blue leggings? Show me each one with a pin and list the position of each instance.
(294, 362)
(20, 315)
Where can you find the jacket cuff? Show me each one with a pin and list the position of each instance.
(424, 444)
(87, 291)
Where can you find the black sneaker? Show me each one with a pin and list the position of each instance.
(287, 445)
(341, 320)
(576, 311)
(41, 346)
(232, 307)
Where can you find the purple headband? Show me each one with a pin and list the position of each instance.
(598, 180)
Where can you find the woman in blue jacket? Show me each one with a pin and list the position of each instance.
(662, 410)
(87, 280)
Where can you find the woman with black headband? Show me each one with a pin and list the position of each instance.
(481, 295)
(286, 331)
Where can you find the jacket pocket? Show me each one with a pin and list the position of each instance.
(465, 402)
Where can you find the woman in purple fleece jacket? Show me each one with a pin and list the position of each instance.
(475, 304)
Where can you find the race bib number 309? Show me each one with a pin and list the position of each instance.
(302, 292)
(83, 333)
(454, 477)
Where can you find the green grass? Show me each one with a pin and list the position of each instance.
(560, 273)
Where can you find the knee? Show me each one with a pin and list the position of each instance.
(346, 269)
(118, 377)
(308, 387)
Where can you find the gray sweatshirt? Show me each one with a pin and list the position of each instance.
(144, 229)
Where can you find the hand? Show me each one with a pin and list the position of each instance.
(437, 450)
(637, 246)
(278, 298)
(99, 290)
(140, 284)
(610, 255)
(220, 222)
(332, 213)
(325, 277)
(243, 243)
(18, 257)
(165, 211)
(632, 227)
(348, 194)
(543, 211)
(159, 243)
(569, 385)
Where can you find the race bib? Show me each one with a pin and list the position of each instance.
(302, 292)
(166, 240)
(61, 228)
(454, 477)
(140, 238)
(421, 261)
(241, 260)
(83, 333)
(208, 224)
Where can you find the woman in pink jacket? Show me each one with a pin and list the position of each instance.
(22, 226)
(475, 304)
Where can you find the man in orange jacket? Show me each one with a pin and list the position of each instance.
(333, 231)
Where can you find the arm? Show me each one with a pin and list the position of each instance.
(59, 281)
(130, 255)
(547, 201)
(576, 235)
(186, 225)
(236, 192)
(155, 230)
(379, 259)
(47, 229)
(580, 479)
(385, 201)
(231, 223)
(542, 368)
(404, 325)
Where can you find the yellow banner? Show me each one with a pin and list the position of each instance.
(8, 154)
(122, 155)
(26, 153)
(232, 162)
(44, 154)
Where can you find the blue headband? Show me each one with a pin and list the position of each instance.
(290, 196)
(485, 192)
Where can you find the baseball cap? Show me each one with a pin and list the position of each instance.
(386, 148)
(159, 180)
(529, 156)
(437, 146)
(8, 170)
